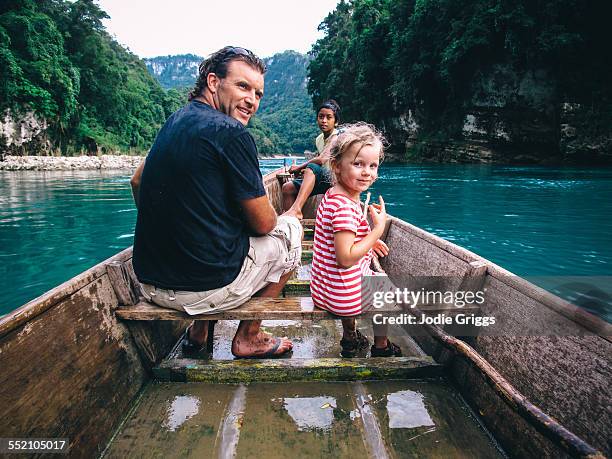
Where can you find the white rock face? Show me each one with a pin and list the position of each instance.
(21, 130)
(474, 128)
(64, 163)
(408, 123)
(470, 127)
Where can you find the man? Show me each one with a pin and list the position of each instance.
(207, 238)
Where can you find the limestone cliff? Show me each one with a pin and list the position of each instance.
(512, 117)
(23, 133)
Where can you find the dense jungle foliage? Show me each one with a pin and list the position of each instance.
(379, 58)
(286, 107)
(57, 59)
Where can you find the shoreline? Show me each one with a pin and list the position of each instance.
(79, 163)
(69, 163)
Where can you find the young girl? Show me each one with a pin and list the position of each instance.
(344, 244)
(317, 177)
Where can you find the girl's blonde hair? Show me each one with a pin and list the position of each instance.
(359, 133)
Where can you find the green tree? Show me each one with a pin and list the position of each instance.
(58, 60)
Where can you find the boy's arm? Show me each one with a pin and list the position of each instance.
(315, 160)
(320, 159)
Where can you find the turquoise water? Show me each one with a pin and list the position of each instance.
(530, 220)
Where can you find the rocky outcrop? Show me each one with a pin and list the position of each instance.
(21, 134)
(174, 71)
(580, 140)
(65, 163)
(512, 117)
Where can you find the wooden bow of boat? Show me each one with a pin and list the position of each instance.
(74, 360)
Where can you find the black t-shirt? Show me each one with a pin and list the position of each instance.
(191, 233)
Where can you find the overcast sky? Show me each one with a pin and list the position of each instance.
(160, 27)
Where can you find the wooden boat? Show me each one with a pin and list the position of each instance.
(74, 360)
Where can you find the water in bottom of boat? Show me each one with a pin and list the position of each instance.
(403, 418)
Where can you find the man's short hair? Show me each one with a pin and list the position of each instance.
(218, 62)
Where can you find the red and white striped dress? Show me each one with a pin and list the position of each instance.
(333, 288)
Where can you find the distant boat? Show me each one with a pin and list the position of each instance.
(74, 360)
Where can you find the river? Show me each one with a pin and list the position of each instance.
(533, 221)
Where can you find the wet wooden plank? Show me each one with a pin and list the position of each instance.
(294, 308)
(372, 435)
(285, 370)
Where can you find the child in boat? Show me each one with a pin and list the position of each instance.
(344, 243)
(317, 177)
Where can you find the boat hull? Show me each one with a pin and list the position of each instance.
(568, 377)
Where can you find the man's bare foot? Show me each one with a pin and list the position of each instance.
(292, 212)
(261, 346)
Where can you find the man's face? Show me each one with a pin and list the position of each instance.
(239, 93)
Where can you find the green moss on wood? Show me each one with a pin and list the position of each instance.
(286, 370)
(294, 285)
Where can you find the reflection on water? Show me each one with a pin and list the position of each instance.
(406, 410)
(311, 413)
(182, 408)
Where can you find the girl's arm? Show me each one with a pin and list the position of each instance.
(348, 253)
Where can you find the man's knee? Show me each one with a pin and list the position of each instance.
(281, 247)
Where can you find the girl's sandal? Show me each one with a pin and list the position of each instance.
(351, 346)
(392, 350)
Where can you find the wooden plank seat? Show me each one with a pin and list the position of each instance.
(289, 308)
(299, 306)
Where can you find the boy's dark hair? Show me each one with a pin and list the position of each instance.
(333, 106)
(217, 63)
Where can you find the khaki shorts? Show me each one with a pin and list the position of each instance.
(269, 257)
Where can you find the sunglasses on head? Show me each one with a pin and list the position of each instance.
(237, 50)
